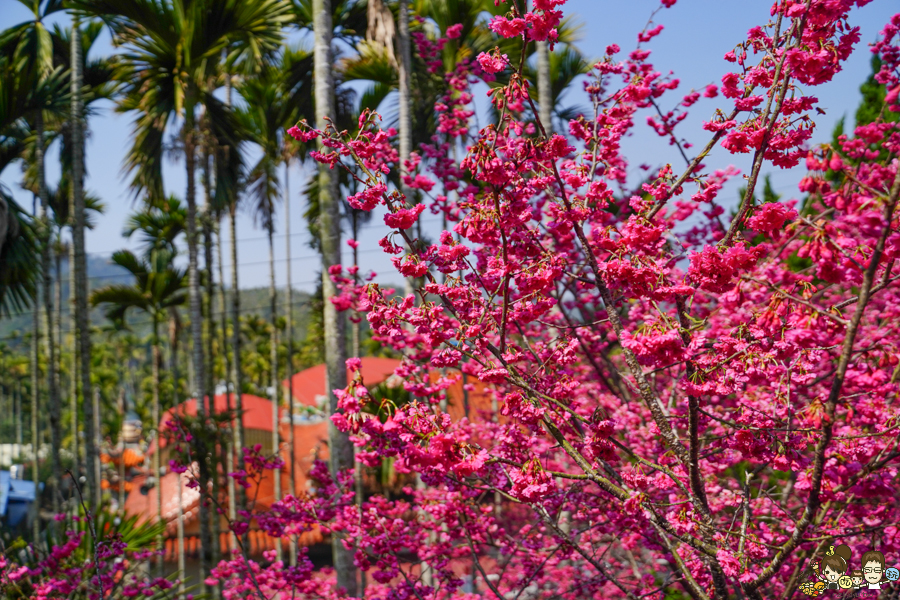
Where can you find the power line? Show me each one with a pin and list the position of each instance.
(240, 240)
(108, 254)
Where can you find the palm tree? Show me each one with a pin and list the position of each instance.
(238, 60)
(226, 448)
(267, 115)
(381, 33)
(209, 219)
(160, 225)
(30, 50)
(289, 326)
(96, 76)
(289, 152)
(35, 404)
(373, 63)
(34, 180)
(18, 247)
(553, 78)
(349, 18)
(296, 69)
(545, 103)
(340, 447)
(60, 248)
(172, 54)
(60, 203)
(241, 65)
(158, 288)
(58, 215)
(404, 68)
(236, 494)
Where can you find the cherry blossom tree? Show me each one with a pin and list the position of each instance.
(689, 403)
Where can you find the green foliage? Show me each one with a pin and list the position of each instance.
(158, 286)
(312, 350)
(797, 264)
(30, 87)
(348, 17)
(267, 114)
(135, 534)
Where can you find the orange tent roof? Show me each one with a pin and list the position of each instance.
(257, 412)
(311, 440)
(308, 385)
(477, 402)
(145, 505)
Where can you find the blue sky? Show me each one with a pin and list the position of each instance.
(697, 34)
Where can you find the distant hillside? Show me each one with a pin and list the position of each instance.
(101, 272)
(254, 301)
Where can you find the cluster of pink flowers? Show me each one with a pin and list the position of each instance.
(808, 53)
(71, 569)
(889, 53)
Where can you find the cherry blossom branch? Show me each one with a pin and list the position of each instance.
(616, 387)
(772, 118)
(818, 309)
(875, 289)
(693, 420)
(692, 166)
(603, 482)
(691, 584)
(577, 547)
(478, 566)
(813, 502)
(94, 539)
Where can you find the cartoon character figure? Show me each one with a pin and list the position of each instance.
(813, 589)
(873, 569)
(857, 577)
(833, 566)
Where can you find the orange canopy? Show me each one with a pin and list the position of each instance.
(309, 385)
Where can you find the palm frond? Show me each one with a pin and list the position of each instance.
(160, 224)
(227, 137)
(19, 271)
(130, 262)
(371, 63)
